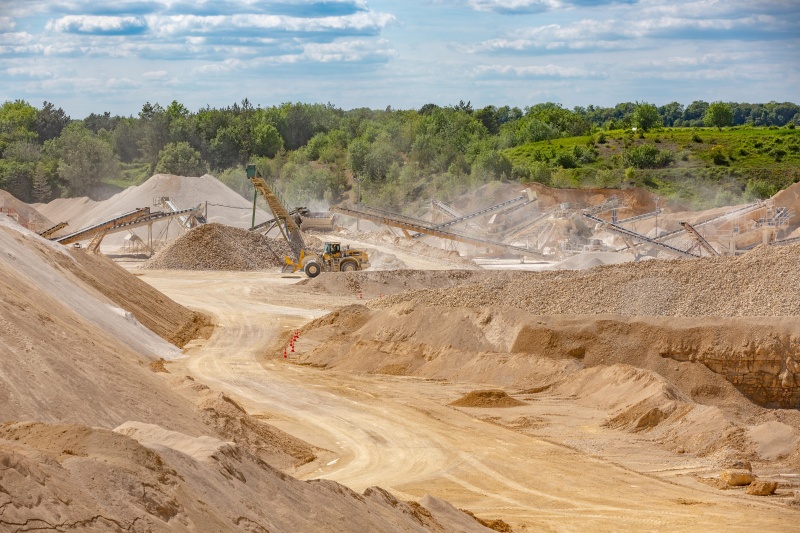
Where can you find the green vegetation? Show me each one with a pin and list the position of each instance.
(403, 158)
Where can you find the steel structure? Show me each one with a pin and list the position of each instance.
(287, 223)
(407, 224)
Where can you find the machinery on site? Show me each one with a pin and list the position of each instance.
(334, 258)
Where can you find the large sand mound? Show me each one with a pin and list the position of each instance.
(225, 206)
(74, 365)
(219, 247)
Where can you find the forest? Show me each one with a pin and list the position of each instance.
(702, 154)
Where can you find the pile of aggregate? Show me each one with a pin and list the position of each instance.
(220, 247)
(762, 282)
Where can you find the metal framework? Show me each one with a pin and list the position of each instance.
(407, 224)
(288, 225)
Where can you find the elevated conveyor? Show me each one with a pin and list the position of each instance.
(380, 216)
(50, 231)
(704, 244)
(632, 236)
(105, 226)
(289, 226)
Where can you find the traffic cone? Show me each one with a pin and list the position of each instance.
(360, 295)
(292, 347)
(284, 353)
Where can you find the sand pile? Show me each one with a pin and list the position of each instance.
(23, 213)
(225, 206)
(487, 399)
(142, 477)
(74, 366)
(755, 284)
(588, 260)
(410, 246)
(689, 383)
(375, 283)
(219, 247)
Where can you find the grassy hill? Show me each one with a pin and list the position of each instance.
(699, 167)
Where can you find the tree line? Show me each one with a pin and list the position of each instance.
(313, 150)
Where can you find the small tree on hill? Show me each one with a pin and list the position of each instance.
(718, 114)
(180, 159)
(646, 117)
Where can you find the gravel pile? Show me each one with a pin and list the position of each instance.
(220, 247)
(763, 282)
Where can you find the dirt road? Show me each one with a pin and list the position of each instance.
(399, 432)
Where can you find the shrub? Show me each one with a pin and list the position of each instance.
(759, 189)
(778, 154)
(696, 137)
(718, 155)
(540, 172)
(566, 160)
(601, 138)
(647, 156)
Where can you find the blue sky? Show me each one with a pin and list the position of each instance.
(88, 56)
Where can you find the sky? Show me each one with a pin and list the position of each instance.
(91, 57)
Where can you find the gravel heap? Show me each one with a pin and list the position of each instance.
(763, 282)
(220, 247)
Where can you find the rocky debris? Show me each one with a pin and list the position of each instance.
(755, 284)
(220, 247)
(487, 398)
(736, 477)
(760, 487)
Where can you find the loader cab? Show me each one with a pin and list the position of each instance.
(332, 249)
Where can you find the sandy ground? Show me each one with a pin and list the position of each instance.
(544, 466)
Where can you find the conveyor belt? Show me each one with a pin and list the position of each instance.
(632, 235)
(88, 232)
(381, 216)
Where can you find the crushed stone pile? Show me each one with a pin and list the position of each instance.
(487, 398)
(220, 247)
(759, 283)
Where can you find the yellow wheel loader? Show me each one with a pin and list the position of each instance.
(334, 258)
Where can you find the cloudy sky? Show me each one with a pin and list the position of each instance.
(88, 56)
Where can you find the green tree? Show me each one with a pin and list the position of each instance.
(646, 117)
(491, 165)
(17, 123)
(719, 115)
(267, 140)
(50, 122)
(84, 158)
(180, 159)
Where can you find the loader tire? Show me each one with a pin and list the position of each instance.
(312, 269)
(349, 266)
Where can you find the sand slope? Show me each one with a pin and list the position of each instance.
(74, 365)
(141, 477)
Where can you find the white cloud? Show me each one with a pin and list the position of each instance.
(222, 67)
(171, 25)
(514, 6)
(30, 72)
(17, 38)
(6, 24)
(155, 74)
(538, 71)
(348, 51)
(97, 24)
